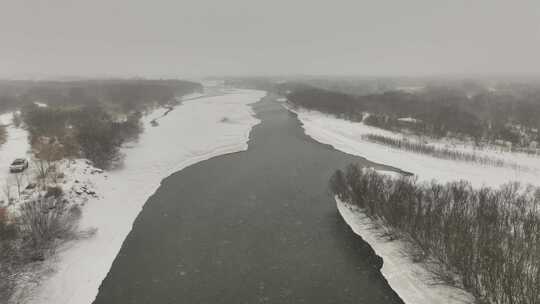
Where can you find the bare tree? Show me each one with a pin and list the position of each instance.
(47, 152)
(19, 180)
(7, 190)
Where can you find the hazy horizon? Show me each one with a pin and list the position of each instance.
(201, 38)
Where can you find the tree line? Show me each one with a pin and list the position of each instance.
(443, 153)
(118, 94)
(510, 115)
(489, 237)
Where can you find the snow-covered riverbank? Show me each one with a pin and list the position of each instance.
(194, 131)
(411, 281)
(346, 136)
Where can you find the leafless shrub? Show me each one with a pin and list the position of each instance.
(34, 234)
(489, 237)
(45, 222)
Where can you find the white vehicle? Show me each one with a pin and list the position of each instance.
(18, 165)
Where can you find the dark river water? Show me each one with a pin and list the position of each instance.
(251, 227)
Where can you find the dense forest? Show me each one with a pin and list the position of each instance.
(510, 114)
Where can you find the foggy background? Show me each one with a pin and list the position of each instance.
(194, 38)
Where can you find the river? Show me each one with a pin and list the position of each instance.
(258, 226)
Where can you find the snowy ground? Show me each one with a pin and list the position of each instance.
(411, 281)
(194, 131)
(346, 136)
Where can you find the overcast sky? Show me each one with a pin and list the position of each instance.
(200, 37)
